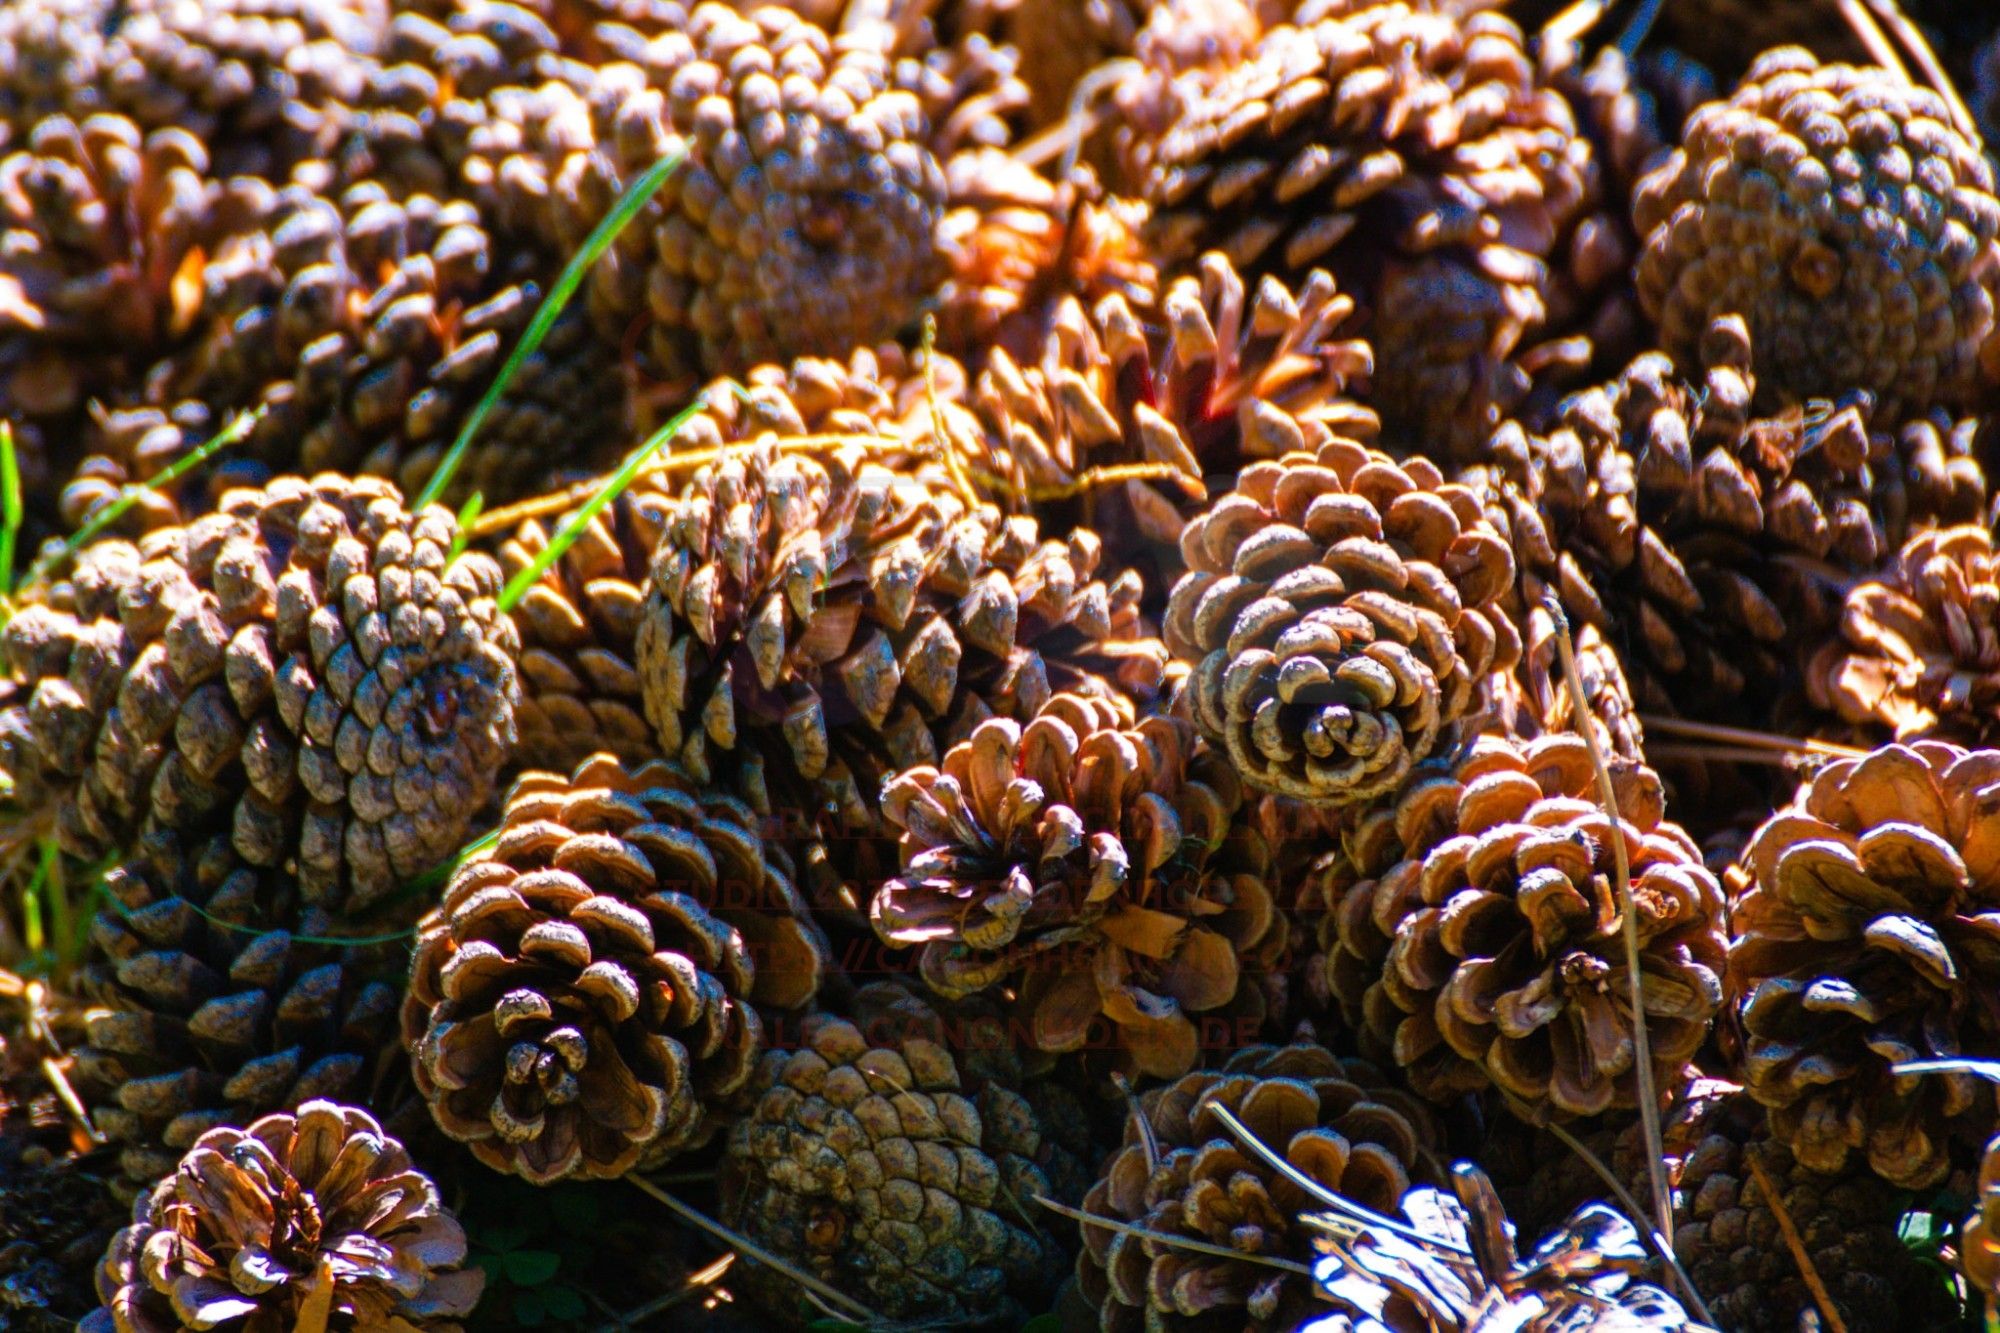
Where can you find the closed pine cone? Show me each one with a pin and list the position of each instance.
(869, 1160)
(1861, 944)
(1728, 1237)
(827, 621)
(304, 668)
(1836, 210)
(213, 1006)
(1089, 865)
(583, 1000)
(1918, 654)
(1477, 942)
(1701, 541)
(1340, 611)
(1183, 1172)
(256, 1224)
(1408, 147)
(367, 328)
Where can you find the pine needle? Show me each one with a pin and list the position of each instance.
(1661, 1245)
(1174, 1242)
(636, 197)
(1628, 917)
(1793, 1242)
(1764, 740)
(10, 507)
(468, 514)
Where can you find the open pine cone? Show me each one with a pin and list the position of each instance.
(213, 1004)
(869, 1160)
(1919, 647)
(1183, 1172)
(1863, 942)
(1340, 614)
(313, 1220)
(583, 999)
(1837, 210)
(304, 668)
(1408, 147)
(1090, 866)
(1477, 936)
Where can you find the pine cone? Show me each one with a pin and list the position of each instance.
(1212, 377)
(301, 668)
(828, 621)
(868, 1161)
(367, 330)
(1408, 147)
(1919, 648)
(1977, 1251)
(1340, 610)
(1090, 866)
(1729, 1240)
(1477, 941)
(1182, 1172)
(804, 218)
(216, 1006)
(1701, 541)
(1534, 699)
(1862, 944)
(1581, 1276)
(582, 1001)
(304, 1218)
(1839, 213)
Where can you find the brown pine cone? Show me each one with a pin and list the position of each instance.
(1700, 541)
(303, 669)
(1534, 700)
(367, 330)
(1863, 943)
(1211, 377)
(1728, 1238)
(1090, 866)
(1978, 1254)
(214, 1004)
(1408, 147)
(1477, 942)
(296, 1221)
(868, 1161)
(804, 218)
(1838, 212)
(1340, 612)
(1918, 653)
(1182, 1172)
(581, 1003)
(826, 620)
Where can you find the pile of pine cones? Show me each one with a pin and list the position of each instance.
(1231, 632)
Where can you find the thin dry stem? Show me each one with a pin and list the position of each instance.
(1144, 1126)
(1763, 740)
(750, 1249)
(1919, 48)
(1821, 1297)
(1628, 919)
(1173, 1242)
(1880, 49)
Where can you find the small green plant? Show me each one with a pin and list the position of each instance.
(534, 1251)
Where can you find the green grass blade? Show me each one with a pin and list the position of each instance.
(173, 472)
(614, 486)
(571, 277)
(10, 506)
(468, 514)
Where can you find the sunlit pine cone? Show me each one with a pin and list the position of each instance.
(216, 1003)
(1978, 1255)
(1699, 540)
(305, 668)
(367, 329)
(1182, 1172)
(1182, 48)
(1408, 147)
(1728, 1237)
(264, 83)
(802, 222)
(1478, 941)
(583, 1001)
(1018, 243)
(868, 1160)
(818, 622)
(1861, 944)
(1059, 42)
(1092, 867)
(1918, 653)
(1838, 212)
(1534, 699)
(255, 1225)
(1340, 611)
(1217, 374)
